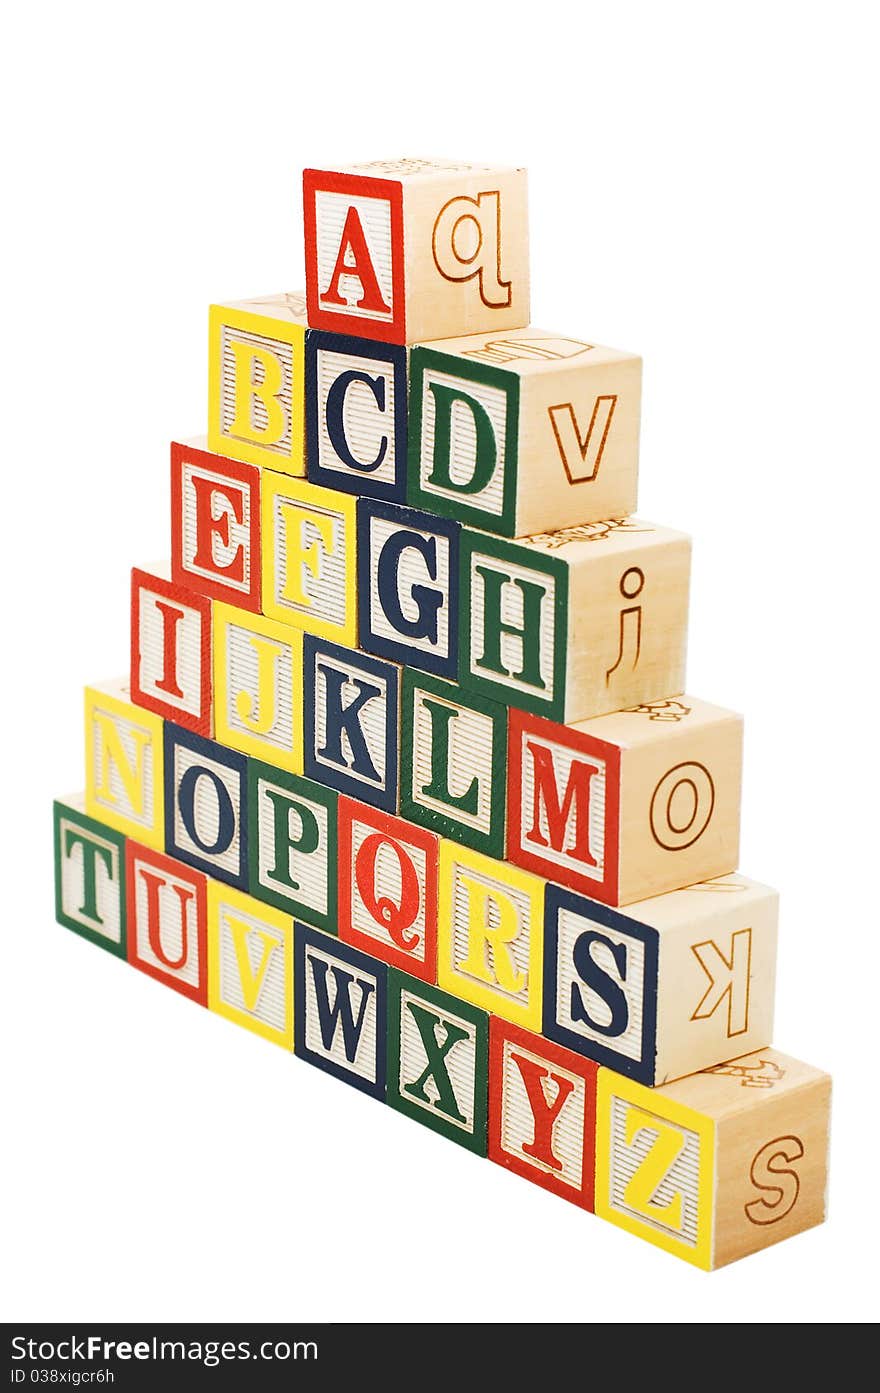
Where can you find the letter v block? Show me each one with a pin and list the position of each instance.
(258, 686)
(292, 843)
(215, 525)
(206, 805)
(89, 876)
(309, 557)
(256, 382)
(356, 412)
(351, 722)
(250, 964)
(717, 1165)
(171, 650)
(341, 1010)
(124, 763)
(168, 921)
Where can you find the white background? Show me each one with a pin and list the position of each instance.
(702, 187)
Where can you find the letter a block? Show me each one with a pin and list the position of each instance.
(124, 768)
(630, 804)
(406, 250)
(717, 1165)
(250, 964)
(523, 434)
(256, 382)
(678, 983)
(292, 843)
(215, 525)
(258, 686)
(341, 1010)
(168, 921)
(356, 415)
(573, 624)
(309, 557)
(351, 722)
(89, 876)
(171, 650)
(206, 805)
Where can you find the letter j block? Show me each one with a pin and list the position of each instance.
(124, 763)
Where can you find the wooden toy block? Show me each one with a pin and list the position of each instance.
(453, 762)
(542, 1112)
(309, 567)
(717, 1165)
(124, 775)
(171, 649)
(524, 433)
(406, 250)
(215, 525)
(258, 686)
(89, 875)
(256, 382)
(388, 888)
(679, 983)
(292, 844)
(356, 409)
(408, 584)
(250, 964)
(627, 805)
(490, 935)
(206, 805)
(341, 1015)
(437, 1060)
(167, 921)
(351, 722)
(574, 624)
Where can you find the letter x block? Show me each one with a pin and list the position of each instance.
(292, 843)
(717, 1165)
(351, 722)
(215, 525)
(250, 964)
(309, 557)
(525, 433)
(171, 650)
(167, 921)
(124, 763)
(89, 876)
(256, 382)
(406, 250)
(630, 804)
(341, 1010)
(573, 624)
(356, 413)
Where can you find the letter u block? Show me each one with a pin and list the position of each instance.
(250, 964)
(258, 686)
(529, 432)
(351, 722)
(206, 805)
(356, 409)
(215, 525)
(124, 763)
(717, 1165)
(341, 1010)
(309, 557)
(168, 921)
(406, 250)
(630, 804)
(679, 983)
(574, 624)
(171, 649)
(256, 382)
(89, 876)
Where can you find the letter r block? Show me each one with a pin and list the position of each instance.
(89, 876)
(124, 763)
(250, 964)
(356, 411)
(215, 525)
(341, 1017)
(171, 650)
(168, 921)
(407, 250)
(717, 1165)
(309, 557)
(256, 382)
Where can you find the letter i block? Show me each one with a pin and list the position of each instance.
(341, 1010)
(437, 1060)
(405, 250)
(258, 686)
(206, 805)
(351, 722)
(525, 433)
(490, 936)
(356, 415)
(573, 624)
(124, 763)
(408, 583)
(388, 888)
(250, 964)
(678, 983)
(309, 557)
(215, 525)
(256, 382)
(89, 876)
(171, 650)
(717, 1165)
(292, 844)
(630, 804)
(542, 1112)
(168, 921)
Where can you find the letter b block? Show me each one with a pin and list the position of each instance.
(256, 382)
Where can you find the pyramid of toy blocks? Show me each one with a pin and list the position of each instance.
(403, 777)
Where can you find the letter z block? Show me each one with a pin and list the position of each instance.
(250, 964)
(341, 1010)
(168, 921)
(407, 250)
(124, 763)
(351, 722)
(215, 525)
(256, 382)
(292, 844)
(630, 804)
(89, 876)
(356, 411)
(171, 650)
(717, 1165)
(258, 686)
(309, 567)
(206, 805)
(523, 434)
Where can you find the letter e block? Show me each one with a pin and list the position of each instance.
(206, 805)
(89, 876)
(124, 770)
(250, 964)
(356, 411)
(256, 382)
(171, 650)
(215, 525)
(341, 1010)
(258, 686)
(292, 843)
(309, 557)
(351, 722)
(168, 921)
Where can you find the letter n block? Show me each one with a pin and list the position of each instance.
(542, 1112)
(168, 921)
(437, 1060)
(89, 876)
(356, 413)
(292, 843)
(256, 382)
(351, 722)
(630, 804)
(309, 567)
(250, 964)
(206, 805)
(405, 250)
(717, 1165)
(124, 768)
(341, 1010)
(215, 525)
(258, 686)
(171, 650)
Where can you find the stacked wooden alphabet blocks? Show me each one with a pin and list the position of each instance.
(404, 777)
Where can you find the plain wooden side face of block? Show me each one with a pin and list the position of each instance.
(525, 432)
(356, 415)
(341, 1015)
(250, 964)
(309, 557)
(171, 651)
(215, 525)
(258, 686)
(206, 806)
(124, 769)
(168, 921)
(292, 843)
(407, 250)
(256, 382)
(628, 805)
(351, 722)
(717, 1165)
(89, 876)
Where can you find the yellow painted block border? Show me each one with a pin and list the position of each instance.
(652, 1100)
(268, 326)
(496, 1001)
(224, 895)
(222, 615)
(153, 833)
(313, 496)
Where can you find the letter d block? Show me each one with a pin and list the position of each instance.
(250, 964)
(309, 557)
(292, 844)
(215, 526)
(356, 415)
(171, 650)
(124, 763)
(351, 722)
(406, 250)
(89, 876)
(206, 805)
(341, 1010)
(256, 382)
(258, 686)
(717, 1165)
(168, 921)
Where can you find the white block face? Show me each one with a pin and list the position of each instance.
(250, 659)
(108, 874)
(412, 574)
(518, 949)
(308, 870)
(588, 783)
(512, 613)
(253, 966)
(460, 1061)
(471, 738)
(207, 808)
(394, 877)
(368, 426)
(372, 719)
(175, 930)
(325, 973)
(139, 752)
(312, 582)
(463, 428)
(156, 617)
(571, 950)
(229, 390)
(374, 215)
(678, 1192)
(518, 1119)
(237, 519)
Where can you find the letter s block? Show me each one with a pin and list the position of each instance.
(407, 250)
(89, 876)
(215, 525)
(524, 433)
(630, 804)
(256, 382)
(717, 1165)
(356, 413)
(124, 763)
(168, 921)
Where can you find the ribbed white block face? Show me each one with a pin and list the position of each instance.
(367, 415)
(167, 940)
(459, 1061)
(307, 870)
(135, 750)
(490, 403)
(108, 880)
(518, 948)
(206, 808)
(157, 617)
(581, 1008)
(585, 777)
(309, 575)
(471, 742)
(372, 719)
(518, 1129)
(253, 972)
(347, 998)
(409, 574)
(258, 666)
(233, 391)
(228, 542)
(673, 1202)
(513, 615)
(374, 214)
(392, 874)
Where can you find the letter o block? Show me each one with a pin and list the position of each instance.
(256, 382)
(356, 412)
(206, 805)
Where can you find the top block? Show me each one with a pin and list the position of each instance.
(412, 249)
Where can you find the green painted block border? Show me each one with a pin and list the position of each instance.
(98, 829)
(297, 787)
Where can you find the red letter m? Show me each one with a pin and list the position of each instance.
(558, 812)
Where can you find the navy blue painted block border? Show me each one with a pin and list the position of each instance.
(329, 774)
(175, 736)
(303, 936)
(396, 356)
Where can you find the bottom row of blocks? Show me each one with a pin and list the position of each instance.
(712, 1167)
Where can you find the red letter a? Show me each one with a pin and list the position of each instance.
(354, 242)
